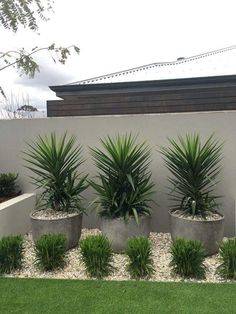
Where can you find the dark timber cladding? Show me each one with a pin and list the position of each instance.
(162, 96)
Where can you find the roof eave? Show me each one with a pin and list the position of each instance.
(170, 84)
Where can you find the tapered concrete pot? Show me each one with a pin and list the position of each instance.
(209, 232)
(118, 231)
(69, 226)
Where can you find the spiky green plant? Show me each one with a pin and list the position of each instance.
(125, 186)
(55, 162)
(8, 184)
(194, 167)
(139, 252)
(96, 255)
(227, 251)
(187, 257)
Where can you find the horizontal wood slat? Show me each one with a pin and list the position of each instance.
(136, 102)
(139, 104)
(135, 110)
(197, 94)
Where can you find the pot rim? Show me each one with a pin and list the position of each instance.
(53, 219)
(221, 218)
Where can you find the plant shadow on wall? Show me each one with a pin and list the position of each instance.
(55, 162)
(195, 168)
(124, 188)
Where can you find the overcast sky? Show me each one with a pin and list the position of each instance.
(118, 35)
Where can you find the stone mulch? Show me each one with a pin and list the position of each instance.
(209, 216)
(75, 269)
(51, 214)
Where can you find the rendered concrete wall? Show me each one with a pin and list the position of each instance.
(155, 128)
(14, 215)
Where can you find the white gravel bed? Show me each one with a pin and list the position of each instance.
(75, 269)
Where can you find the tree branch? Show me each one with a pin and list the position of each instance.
(27, 65)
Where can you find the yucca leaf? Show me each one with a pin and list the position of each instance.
(135, 215)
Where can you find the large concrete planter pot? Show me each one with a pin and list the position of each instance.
(209, 232)
(118, 231)
(69, 226)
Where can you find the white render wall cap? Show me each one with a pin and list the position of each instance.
(213, 63)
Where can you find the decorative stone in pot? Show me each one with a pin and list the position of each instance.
(209, 231)
(118, 230)
(70, 225)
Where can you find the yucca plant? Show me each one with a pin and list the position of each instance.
(227, 267)
(194, 167)
(124, 188)
(55, 162)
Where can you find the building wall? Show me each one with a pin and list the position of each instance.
(164, 96)
(155, 128)
(141, 103)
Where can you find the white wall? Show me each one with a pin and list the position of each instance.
(14, 214)
(153, 127)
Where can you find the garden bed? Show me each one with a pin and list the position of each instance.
(7, 198)
(75, 269)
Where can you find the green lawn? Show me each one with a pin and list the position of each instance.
(72, 296)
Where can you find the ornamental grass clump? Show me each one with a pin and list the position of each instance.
(11, 253)
(55, 161)
(187, 257)
(194, 167)
(96, 255)
(227, 268)
(50, 251)
(124, 186)
(139, 252)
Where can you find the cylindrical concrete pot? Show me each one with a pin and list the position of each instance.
(209, 232)
(118, 231)
(69, 226)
